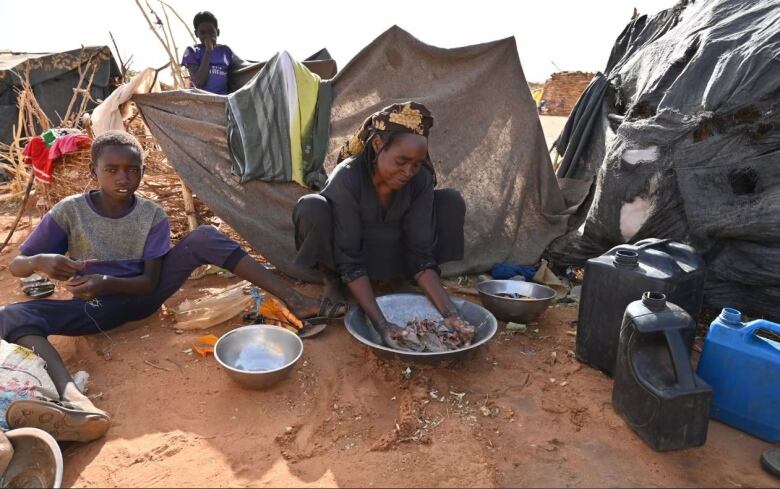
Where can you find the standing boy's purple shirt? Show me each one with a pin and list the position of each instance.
(219, 66)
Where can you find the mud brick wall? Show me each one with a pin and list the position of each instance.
(563, 89)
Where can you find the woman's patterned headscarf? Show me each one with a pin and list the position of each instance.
(407, 117)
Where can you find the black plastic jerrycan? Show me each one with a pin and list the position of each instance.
(656, 389)
(621, 276)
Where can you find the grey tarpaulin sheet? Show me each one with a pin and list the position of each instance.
(487, 142)
(687, 146)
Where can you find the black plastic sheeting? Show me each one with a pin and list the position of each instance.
(680, 139)
(53, 76)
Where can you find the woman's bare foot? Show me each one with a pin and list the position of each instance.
(332, 288)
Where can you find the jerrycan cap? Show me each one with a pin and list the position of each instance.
(626, 258)
(730, 316)
(655, 301)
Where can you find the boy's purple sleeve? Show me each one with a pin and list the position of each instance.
(158, 242)
(48, 237)
(189, 57)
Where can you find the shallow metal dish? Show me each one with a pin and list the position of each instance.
(402, 308)
(259, 355)
(517, 310)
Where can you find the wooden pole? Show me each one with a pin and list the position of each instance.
(19, 214)
(86, 97)
(119, 57)
(178, 81)
(170, 32)
(166, 36)
(189, 206)
(186, 25)
(75, 96)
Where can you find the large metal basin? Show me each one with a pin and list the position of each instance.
(258, 356)
(402, 308)
(517, 310)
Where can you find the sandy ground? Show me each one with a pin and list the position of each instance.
(552, 125)
(509, 415)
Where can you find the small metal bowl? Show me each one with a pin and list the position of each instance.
(36, 462)
(516, 310)
(258, 356)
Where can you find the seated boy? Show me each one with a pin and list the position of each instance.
(120, 267)
(209, 63)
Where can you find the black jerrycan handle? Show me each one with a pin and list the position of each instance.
(653, 243)
(680, 358)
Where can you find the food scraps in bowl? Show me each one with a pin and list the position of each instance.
(515, 295)
(429, 335)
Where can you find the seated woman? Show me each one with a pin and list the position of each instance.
(379, 217)
(209, 63)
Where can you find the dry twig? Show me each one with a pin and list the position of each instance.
(30, 181)
(119, 56)
(84, 67)
(186, 25)
(156, 366)
(178, 81)
(168, 22)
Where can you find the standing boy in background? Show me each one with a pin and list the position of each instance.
(209, 63)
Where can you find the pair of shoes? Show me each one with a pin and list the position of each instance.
(61, 420)
(37, 286)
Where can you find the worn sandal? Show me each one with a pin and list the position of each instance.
(37, 286)
(61, 420)
(313, 327)
(329, 309)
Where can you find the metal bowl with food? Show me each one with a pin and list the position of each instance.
(400, 309)
(511, 300)
(258, 356)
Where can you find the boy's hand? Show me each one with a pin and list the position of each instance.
(87, 287)
(58, 267)
(209, 43)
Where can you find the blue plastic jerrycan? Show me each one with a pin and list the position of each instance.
(742, 364)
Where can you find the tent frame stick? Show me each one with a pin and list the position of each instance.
(189, 206)
(22, 207)
(119, 56)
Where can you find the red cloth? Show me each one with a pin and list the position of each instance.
(42, 158)
(68, 143)
(37, 154)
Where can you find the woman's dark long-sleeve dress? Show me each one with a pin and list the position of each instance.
(346, 229)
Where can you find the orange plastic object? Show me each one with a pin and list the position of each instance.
(204, 344)
(273, 310)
